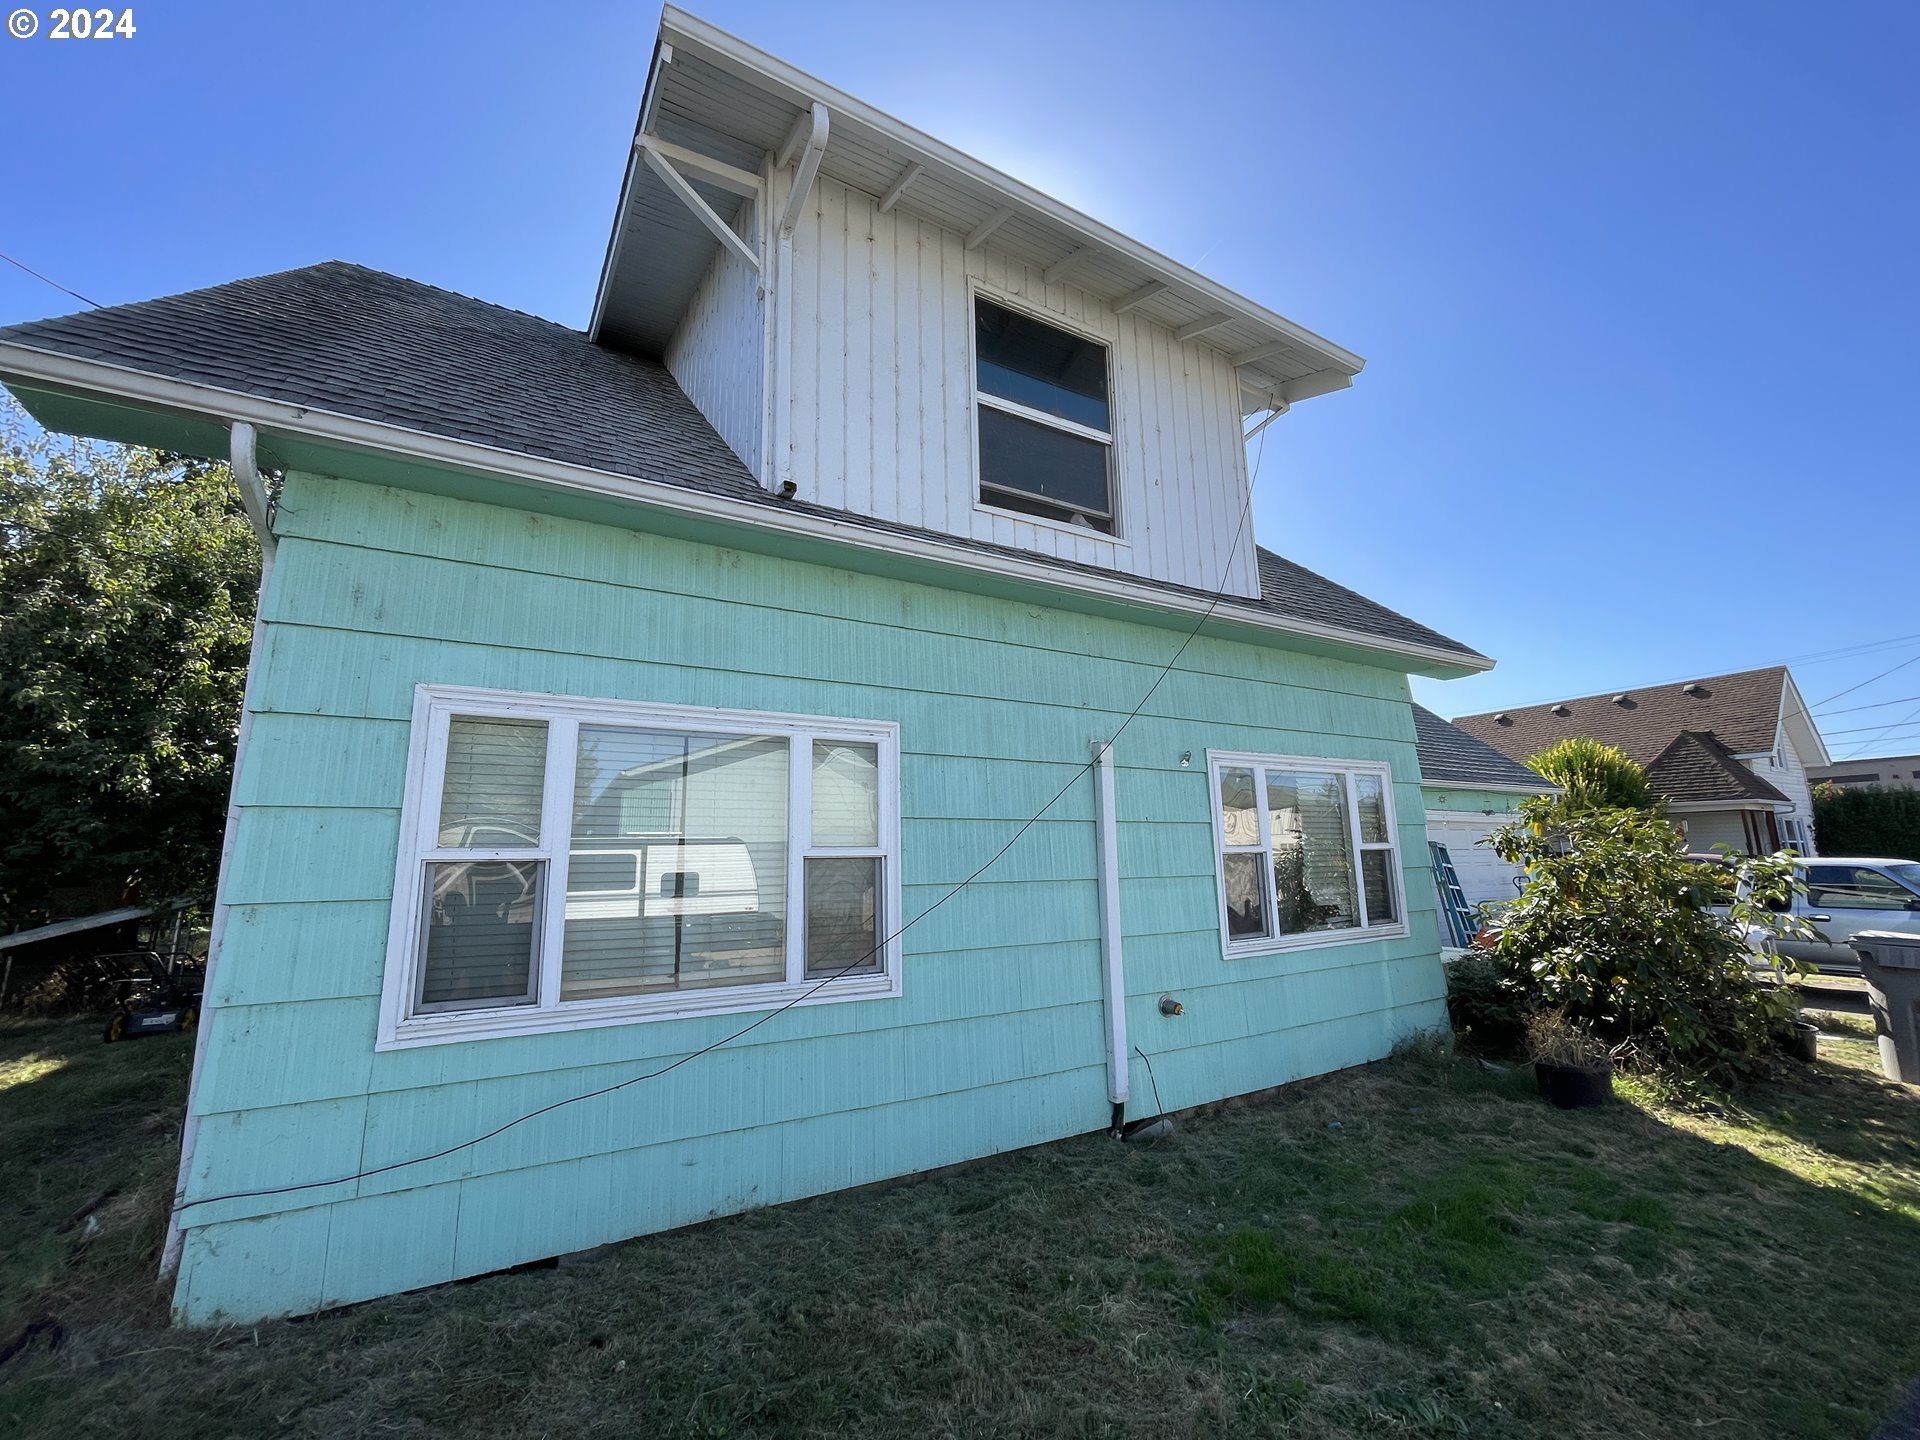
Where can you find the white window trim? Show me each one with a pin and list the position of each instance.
(1233, 949)
(1019, 305)
(434, 705)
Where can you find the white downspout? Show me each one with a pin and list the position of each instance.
(253, 499)
(1114, 978)
(806, 167)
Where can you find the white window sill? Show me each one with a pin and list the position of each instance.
(1079, 532)
(458, 1026)
(1315, 940)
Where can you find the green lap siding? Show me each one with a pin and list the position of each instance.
(998, 1039)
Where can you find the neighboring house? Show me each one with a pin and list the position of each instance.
(1730, 753)
(1470, 790)
(645, 725)
(1888, 772)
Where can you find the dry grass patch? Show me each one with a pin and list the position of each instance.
(1421, 1248)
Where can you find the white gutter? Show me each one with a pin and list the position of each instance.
(243, 443)
(43, 367)
(1113, 977)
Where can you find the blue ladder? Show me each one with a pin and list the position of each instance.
(1461, 924)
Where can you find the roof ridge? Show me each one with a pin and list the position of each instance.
(1628, 690)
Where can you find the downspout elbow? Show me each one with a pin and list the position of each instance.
(243, 458)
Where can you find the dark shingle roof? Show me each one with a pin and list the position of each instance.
(362, 343)
(1742, 711)
(1450, 756)
(1698, 767)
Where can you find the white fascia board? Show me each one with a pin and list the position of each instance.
(1695, 807)
(1794, 717)
(37, 368)
(662, 55)
(680, 30)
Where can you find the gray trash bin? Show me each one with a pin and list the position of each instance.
(1891, 963)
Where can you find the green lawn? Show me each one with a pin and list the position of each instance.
(1421, 1248)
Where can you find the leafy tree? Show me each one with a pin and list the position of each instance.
(1616, 929)
(1593, 775)
(127, 583)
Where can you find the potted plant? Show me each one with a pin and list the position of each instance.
(1801, 1038)
(1573, 1068)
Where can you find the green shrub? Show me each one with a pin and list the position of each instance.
(1487, 1006)
(1594, 776)
(1867, 820)
(1615, 929)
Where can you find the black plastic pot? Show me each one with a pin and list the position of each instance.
(1805, 1044)
(1574, 1087)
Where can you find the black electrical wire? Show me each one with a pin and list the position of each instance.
(1159, 1109)
(48, 280)
(1084, 768)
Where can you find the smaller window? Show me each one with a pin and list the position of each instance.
(1307, 851)
(1045, 420)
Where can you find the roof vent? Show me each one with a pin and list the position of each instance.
(1562, 709)
(1623, 698)
(1503, 718)
(1695, 689)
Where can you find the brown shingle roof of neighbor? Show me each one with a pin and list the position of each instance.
(1741, 711)
(1450, 756)
(362, 343)
(1697, 767)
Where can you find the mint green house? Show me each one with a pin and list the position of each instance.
(635, 820)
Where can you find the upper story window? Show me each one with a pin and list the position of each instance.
(1045, 419)
(574, 862)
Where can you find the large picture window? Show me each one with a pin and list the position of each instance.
(1307, 851)
(1045, 419)
(577, 862)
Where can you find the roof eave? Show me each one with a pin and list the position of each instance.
(1693, 806)
(39, 370)
(678, 29)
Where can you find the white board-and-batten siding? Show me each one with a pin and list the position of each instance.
(879, 404)
(717, 354)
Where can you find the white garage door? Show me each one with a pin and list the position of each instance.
(1483, 874)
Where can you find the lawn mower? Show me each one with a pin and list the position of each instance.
(151, 992)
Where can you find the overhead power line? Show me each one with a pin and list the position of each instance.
(1844, 652)
(48, 280)
(1876, 705)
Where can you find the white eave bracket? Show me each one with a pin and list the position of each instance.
(814, 126)
(655, 153)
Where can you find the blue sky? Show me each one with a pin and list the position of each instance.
(1635, 281)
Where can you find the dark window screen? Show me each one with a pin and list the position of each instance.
(1038, 470)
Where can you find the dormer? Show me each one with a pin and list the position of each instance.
(880, 324)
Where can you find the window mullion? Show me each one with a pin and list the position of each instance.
(1352, 792)
(1263, 823)
(556, 834)
(799, 840)
(1042, 417)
